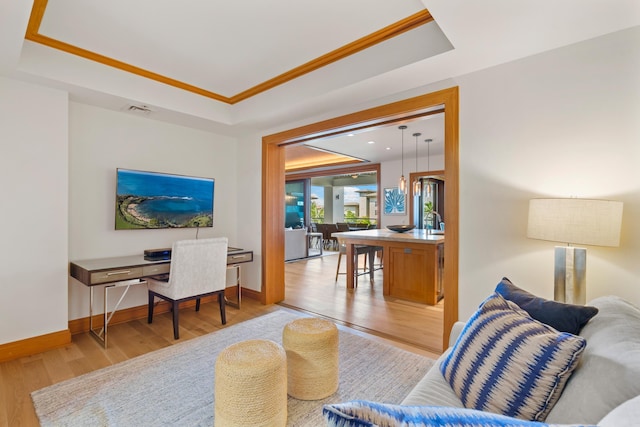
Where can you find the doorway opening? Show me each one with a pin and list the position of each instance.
(273, 183)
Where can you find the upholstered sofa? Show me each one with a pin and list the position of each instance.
(295, 243)
(607, 376)
(601, 384)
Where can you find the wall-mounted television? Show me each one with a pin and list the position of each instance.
(162, 200)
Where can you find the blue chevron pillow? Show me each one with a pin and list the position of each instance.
(508, 363)
(360, 413)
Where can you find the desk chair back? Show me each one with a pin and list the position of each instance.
(197, 267)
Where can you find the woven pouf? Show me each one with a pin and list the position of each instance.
(312, 358)
(251, 385)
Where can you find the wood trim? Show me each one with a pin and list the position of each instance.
(272, 223)
(452, 210)
(377, 123)
(250, 293)
(411, 22)
(92, 56)
(37, 13)
(34, 345)
(412, 176)
(273, 167)
(341, 163)
(78, 326)
(369, 167)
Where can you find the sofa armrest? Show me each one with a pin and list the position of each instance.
(455, 332)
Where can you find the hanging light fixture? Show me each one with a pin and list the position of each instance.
(417, 188)
(428, 141)
(402, 185)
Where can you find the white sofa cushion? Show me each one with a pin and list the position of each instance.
(609, 372)
(627, 414)
(433, 389)
(508, 363)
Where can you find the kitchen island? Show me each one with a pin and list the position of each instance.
(412, 262)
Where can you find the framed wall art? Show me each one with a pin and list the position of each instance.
(395, 201)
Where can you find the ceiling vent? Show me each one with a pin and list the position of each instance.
(139, 109)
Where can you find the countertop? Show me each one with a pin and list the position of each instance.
(413, 236)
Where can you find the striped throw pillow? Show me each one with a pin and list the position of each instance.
(508, 363)
(362, 413)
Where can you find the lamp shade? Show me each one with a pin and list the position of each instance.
(576, 221)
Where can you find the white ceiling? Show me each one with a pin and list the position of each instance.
(225, 48)
(385, 143)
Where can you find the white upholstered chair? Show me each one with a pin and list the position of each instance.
(198, 269)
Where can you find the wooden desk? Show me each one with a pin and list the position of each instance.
(411, 262)
(131, 270)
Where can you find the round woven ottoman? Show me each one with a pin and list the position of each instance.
(251, 385)
(312, 358)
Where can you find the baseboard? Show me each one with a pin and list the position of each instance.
(39, 344)
(34, 345)
(78, 326)
(250, 293)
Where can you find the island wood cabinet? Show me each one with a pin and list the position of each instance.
(412, 261)
(415, 274)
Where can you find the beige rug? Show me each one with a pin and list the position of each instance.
(174, 386)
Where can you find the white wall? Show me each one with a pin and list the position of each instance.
(563, 123)
(101, 141)
(33, 171)
(560, 124)
(338, 204)
(390, 176)
(248, 217)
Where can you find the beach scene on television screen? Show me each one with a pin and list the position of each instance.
(156, 200)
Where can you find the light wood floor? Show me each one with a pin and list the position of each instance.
(18, 378)
(311, 286)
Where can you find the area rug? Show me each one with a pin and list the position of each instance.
(174, 386)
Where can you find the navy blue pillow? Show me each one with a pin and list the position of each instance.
(560, 316)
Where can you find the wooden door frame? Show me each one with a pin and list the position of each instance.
(273, 179)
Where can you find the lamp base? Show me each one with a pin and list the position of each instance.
(570, 275)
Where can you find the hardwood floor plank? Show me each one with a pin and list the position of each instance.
(56, 366)
(310, 285)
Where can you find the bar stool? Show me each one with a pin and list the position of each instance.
(368, 251)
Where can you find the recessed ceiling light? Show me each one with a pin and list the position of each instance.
(388, 148)
(351, 134)
(371, 142)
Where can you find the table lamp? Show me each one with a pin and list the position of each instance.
(574, 221)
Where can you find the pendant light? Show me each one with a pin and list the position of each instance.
(402, 185)
(428, 141)
(417, 188)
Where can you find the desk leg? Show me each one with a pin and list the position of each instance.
(102, 334)
(91, 310)
(350, 265)
(235, 303)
